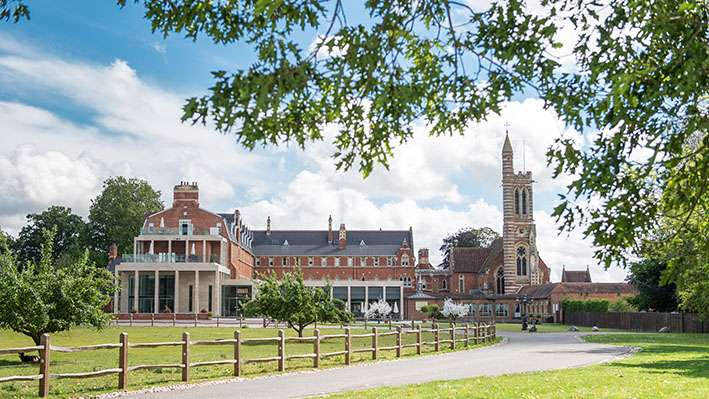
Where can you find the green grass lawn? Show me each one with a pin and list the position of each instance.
(104, 359)
(668, 366)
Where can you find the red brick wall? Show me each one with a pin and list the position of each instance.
(342, 272)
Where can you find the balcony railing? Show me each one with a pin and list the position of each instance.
(174, 231)
(170, 258)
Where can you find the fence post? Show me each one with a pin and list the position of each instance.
(185, 356)
(237, 353)
(123, 362)
(152, 320)
(477, 333)
(375, 343)
(398, 341)
(418, 340)
(217, 321)
(452, 335)
(195, 319)
(316, 349)
(281, 351)
(412, 325)
(467, 335)
(348, 346)
(44, 355)
(174, 319)
(437, 336)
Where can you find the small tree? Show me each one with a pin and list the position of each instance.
(432, 310)
(379, 310)
(453, 311)
(44, 297)
(288, 300)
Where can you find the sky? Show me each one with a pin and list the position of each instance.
(88, 92)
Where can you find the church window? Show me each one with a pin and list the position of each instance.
(517, 201)
(500, 281)
(444, 284)
(524, 201)
(521, 261)
(284, 261)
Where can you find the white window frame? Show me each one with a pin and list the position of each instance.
(310, 261)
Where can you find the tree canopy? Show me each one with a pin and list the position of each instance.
(646, 276)
(469, 237)
(288, 299)
(46, 297)
(70, 237)
(638, 87)
(118, 212)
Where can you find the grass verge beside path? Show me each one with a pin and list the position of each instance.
(106, 359)
(668, 366)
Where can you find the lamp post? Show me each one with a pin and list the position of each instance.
(524, 301)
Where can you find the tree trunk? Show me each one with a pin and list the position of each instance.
(300, 331)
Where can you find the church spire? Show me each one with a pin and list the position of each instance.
(507, 147)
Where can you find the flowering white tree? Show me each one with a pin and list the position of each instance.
(378, 310)
(453, 311)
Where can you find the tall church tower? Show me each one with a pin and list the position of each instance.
(518, 231)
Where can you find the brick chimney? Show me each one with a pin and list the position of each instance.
(330, 235)
(343, 237)
(423, 256)
(186, 193)
(112, 252)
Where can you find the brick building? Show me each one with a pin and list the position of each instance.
(494, 280)
(188, 260)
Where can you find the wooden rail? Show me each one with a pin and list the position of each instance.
(481, 333)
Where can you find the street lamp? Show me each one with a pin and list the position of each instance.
(524, 301)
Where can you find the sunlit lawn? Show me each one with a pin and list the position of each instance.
(668, 366)
(105, 359)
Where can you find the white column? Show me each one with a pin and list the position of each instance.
(196, 292)
(349, 298)
(366, 299)
(216, 309)
(177, 292)
(156, 294)
(187, 249)
(115, 294)
(204, 251)
(136, 290)
(401, 303)
(135, 246)
(169, 250)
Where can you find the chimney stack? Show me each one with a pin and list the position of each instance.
(186, 194)
(268, 226)
(343, 237)
(330, 236)
(112, 252)
(423, 256)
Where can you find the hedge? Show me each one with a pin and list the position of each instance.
(593, 305)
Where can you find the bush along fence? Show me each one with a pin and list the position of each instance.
(639, 321)
(477, 333)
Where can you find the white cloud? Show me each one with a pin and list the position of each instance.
(131, 127)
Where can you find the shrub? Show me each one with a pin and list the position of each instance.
(593, 305)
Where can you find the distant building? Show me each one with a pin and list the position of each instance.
(575, 276)
(188, 260)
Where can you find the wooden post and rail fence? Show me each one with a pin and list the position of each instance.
(482, 333)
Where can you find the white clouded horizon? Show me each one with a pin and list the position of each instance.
(134, 129)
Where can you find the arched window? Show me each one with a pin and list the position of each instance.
(500, 280)
(521, 261)
(524, 201)
(517, 201)
(444, 284)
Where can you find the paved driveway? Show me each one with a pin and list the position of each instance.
(521, 352)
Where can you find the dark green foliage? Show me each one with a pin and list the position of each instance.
(593, 305)
(646, 277)
(468, 237)
(69, 240)
(116, 215)
(6, 242)
(46, 297)
(287, 299)
(13, 10)
(433, 311)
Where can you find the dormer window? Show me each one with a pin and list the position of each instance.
(285, 243)
(362, 244)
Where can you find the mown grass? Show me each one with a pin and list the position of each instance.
(667, 366)
(104, 359)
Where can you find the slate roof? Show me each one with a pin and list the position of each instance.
(545, 290)
(575, 276)
(477, 260)
(314, 243)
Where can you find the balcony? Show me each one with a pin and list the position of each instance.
(174, 231)
(170, 258)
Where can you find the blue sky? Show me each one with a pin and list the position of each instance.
(87, 92)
